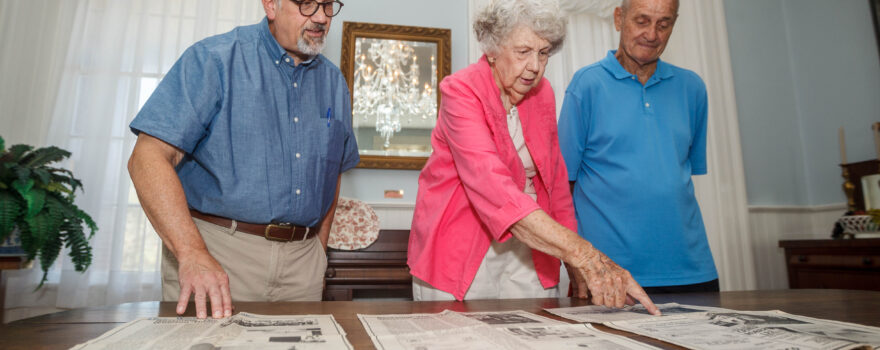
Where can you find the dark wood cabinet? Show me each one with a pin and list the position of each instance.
(377, 271)
(833, 263)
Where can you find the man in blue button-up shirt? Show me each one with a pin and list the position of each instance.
(241, 147)
(632, 130)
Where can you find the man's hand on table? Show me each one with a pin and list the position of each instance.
(201, 275)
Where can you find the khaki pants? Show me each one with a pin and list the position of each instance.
(258, 269)
(507, 272)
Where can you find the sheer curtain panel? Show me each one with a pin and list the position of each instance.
(118, 52)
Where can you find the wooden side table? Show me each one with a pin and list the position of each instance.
(377, 271)
(833, 263)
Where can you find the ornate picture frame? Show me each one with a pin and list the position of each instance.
(419, 43)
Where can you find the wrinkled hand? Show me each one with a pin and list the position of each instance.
(577, 284)
(609, 284)
(201, 275)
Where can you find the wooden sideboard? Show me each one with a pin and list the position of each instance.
(377, 271)
(833, 263)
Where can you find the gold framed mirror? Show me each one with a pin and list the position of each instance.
(393, 74)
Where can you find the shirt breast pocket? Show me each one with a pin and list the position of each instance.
(331, 141)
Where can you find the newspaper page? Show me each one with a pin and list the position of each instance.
(486, 330)
(241, 331)
(599, 314)
(381, 325)
(753, 330)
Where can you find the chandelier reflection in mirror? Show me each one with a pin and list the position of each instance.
(388, 86)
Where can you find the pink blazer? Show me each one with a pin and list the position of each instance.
(471, 189)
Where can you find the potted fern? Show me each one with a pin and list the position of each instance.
(36, 202)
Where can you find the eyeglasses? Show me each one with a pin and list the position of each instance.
(308, 8)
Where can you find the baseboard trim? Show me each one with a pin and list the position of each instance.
(376, 205)
(797, 208)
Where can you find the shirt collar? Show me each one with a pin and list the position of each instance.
(612, 65)
(276, 52)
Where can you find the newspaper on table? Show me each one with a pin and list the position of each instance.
(599, 314)
(752, 330)
(486, 330)
(242, 331)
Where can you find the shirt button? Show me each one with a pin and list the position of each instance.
(298, 155)
(294, 84)
(296, 119)
(298, 191)
(277, 62)
(287, 59)
(647, 105)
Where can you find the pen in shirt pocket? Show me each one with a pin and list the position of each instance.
(329, 115)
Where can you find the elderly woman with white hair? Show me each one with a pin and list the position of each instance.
(494, 214)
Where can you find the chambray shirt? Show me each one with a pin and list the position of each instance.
(631, 150)
(264, 140)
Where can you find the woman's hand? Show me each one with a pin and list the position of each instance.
(595, 275)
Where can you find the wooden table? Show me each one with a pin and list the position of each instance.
(65, 329)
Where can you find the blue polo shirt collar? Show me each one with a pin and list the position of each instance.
(612, 65)
(276, 52)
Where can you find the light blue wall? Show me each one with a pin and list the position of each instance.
(802, 69)
(369, 184)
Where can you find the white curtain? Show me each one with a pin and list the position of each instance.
(118, 52)
(699, 43)
(22, 43)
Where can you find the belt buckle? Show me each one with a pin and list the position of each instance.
(281, 225)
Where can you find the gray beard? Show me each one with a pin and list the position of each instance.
(310, 49)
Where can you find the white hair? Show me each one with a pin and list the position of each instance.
(495, 22)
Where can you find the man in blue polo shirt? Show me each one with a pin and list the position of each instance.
(632, 131)
(238, 159)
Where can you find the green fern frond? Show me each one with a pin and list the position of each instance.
(76, 241)
(43, 175)
(28, 243)
(17, 151)
(41, 228)
(48, 253)
(23, 186)
(43, 156)
(54, 213)
(21, 173)
(55, 187)
(66, 177)
(58, 207)
(35, 199)
(81, 215)
(11, 208)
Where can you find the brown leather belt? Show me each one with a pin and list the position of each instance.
(272, 232)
